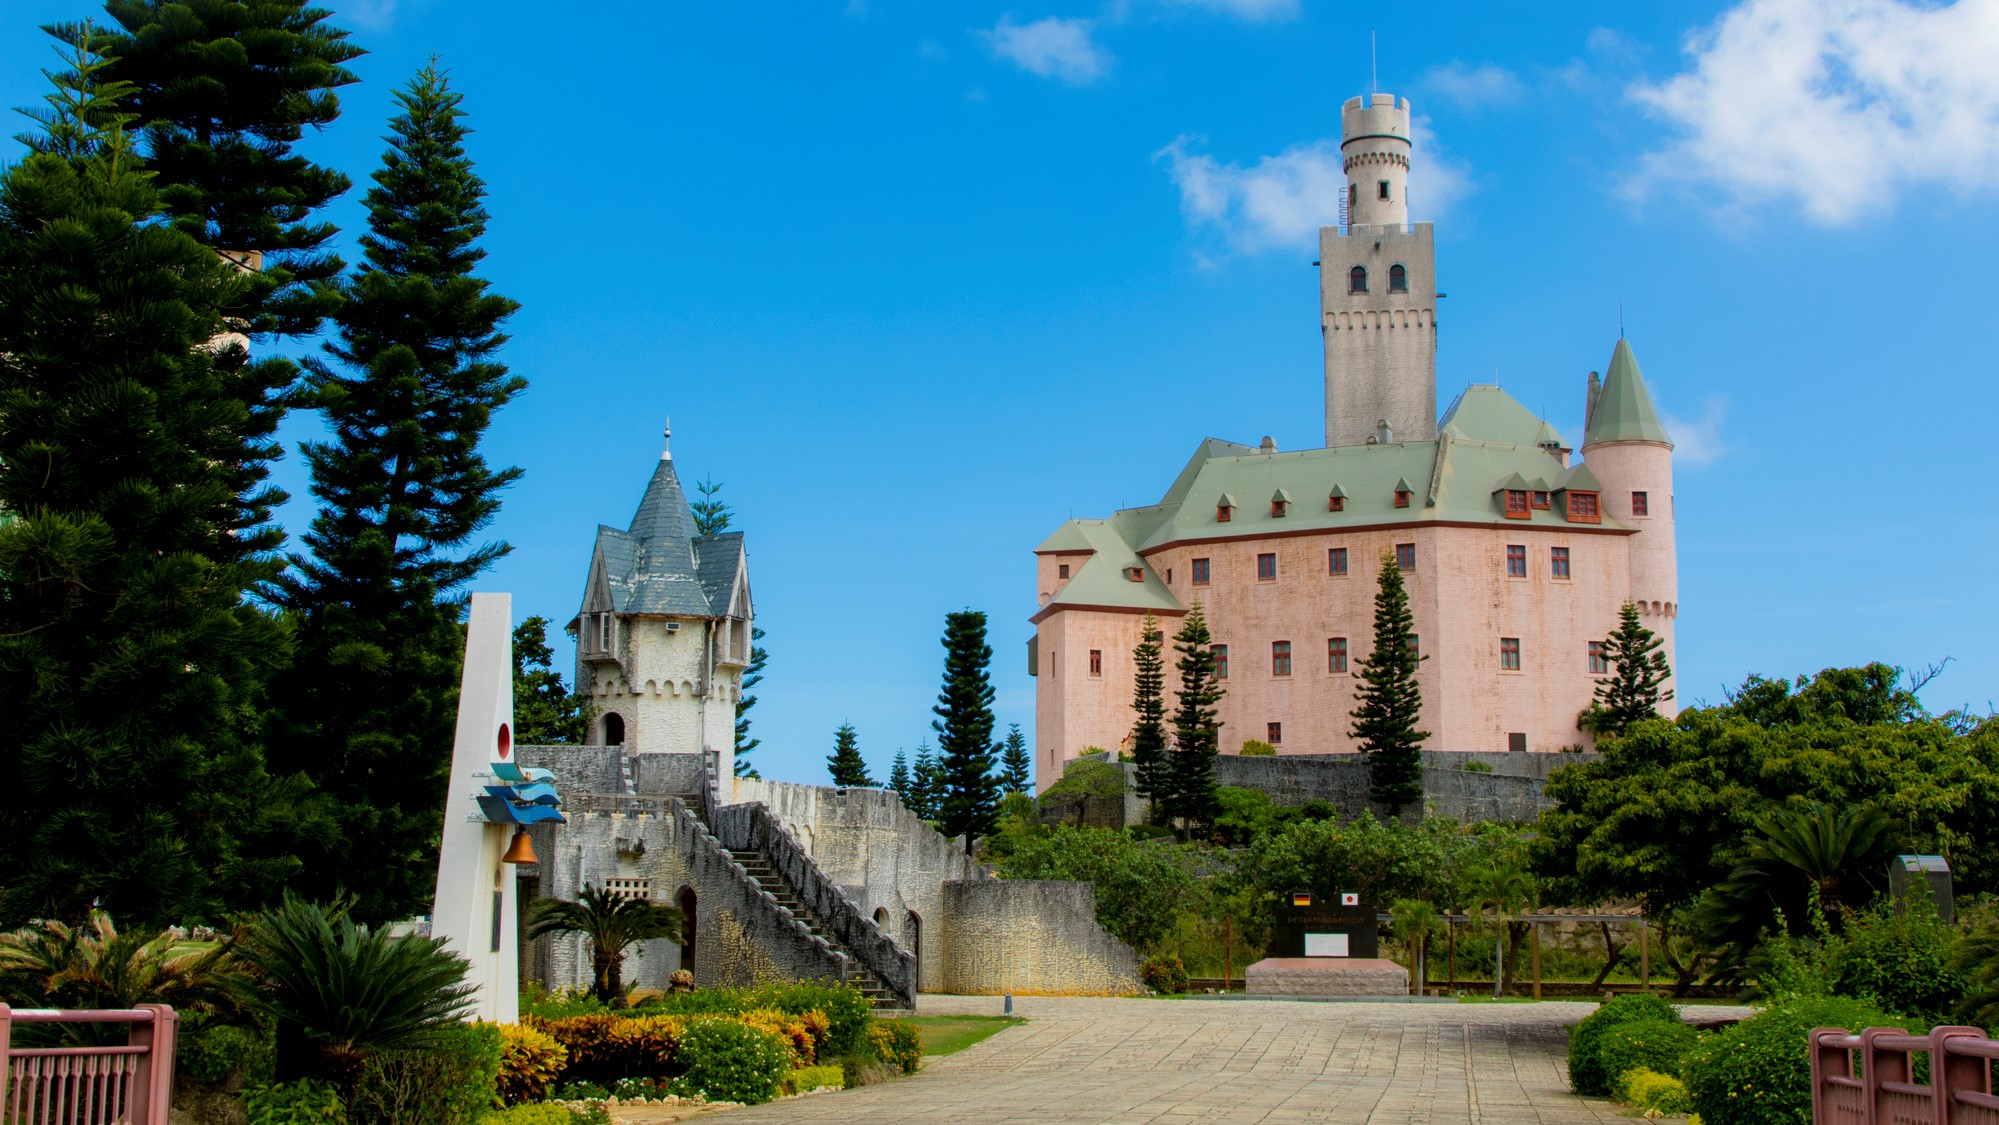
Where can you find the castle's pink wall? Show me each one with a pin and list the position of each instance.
(1460, 595)
(1625, 467)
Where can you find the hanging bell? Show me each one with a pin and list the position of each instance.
(521, 850)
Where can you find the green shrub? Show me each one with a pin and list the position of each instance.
(538, 1114)
(730, 1062)
(813, 1077)
(1163, 972)
(304, 1102)
(450, 1080)
(214, 1053)
(845, 1007)
(898, 1043)
(561, 1003)
(1647, 1089)
(1901, 962)
(1759, 1071)
(1476, 766)
(1586, 1074)
(1257, 748)
(1643, 1044)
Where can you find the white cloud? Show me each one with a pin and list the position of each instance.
(1835, 105)
(1697, 443)
(1473, 86)
(1257, 11)
(1052, 48)
(1281, 201)
(373, 15)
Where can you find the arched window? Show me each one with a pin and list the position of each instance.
(614, 729)
(881, 920)
(1357, 279)
(913, 939)
(1398, 279)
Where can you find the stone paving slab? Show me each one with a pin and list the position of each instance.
(1093, 1061)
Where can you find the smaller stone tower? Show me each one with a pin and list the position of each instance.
(1378, 288)
(1626, 447)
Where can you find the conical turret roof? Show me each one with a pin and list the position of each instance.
(1624, 410)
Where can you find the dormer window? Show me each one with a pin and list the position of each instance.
(1357, 279)
(1516, 504)
(1402, 498)
(1280, 503)
(1540, 500)
(1062, 570)
(1336, 504)
(1224, 509)
(1135, 573)
(1583, 507)
(1398, 279)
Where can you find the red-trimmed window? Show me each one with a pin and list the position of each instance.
(1599, 662)
(1266, 566)
(1357, 279)
(1336, 503)
(1280, 658)
(1224, 513)
(1509, 654)
(1558, 562)
(1516, 504)
(1336, 560)
(1221, 662)
(1641, 504)
(1402, 498)
(1583, 508)
(1200, 572)
(1415, 646)
(1274, 733)
(1135, 573)
(1061, 570)
(1277, 508)
(1540, 499)
(1096, 662)
(1405, 556)
(1336, 654)
(1516, 560)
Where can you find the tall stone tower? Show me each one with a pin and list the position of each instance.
(1378, 288)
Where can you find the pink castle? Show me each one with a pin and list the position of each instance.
(1517, 560)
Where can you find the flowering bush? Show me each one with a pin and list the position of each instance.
(1163, 972)
(898, 1044)
(730, 1061)
(1647, 1089)
(530, 1062)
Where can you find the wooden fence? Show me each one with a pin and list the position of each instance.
(124, 1084)
(1869, 1078)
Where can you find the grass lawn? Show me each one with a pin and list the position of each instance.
(947, 1035)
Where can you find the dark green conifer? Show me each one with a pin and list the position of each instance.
(223, 90)
(1148, 706)
(1389, 702)
(131, 669)
(926, 784)
(753, 674)
(403, 490)
(849, 769)
(1638, 673)
(1016, 765)
(898, 777)
(1190, 775)
(545, 710)
(969, 803)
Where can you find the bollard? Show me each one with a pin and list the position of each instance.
(1009, 1004)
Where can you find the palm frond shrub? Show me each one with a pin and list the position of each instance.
(613, 923)
(338, 992)
(52, 964)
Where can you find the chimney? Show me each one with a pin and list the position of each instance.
(1384, 434)
(1269, 445)
(1589, 404)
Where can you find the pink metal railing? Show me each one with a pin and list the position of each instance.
(122, 1085)
(1882, 1091)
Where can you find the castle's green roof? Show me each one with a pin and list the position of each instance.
(1623, 409)
(1486, 413)
(1103, 580)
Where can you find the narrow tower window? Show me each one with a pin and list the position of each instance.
(1200, 572)
(1096, 662)
(1641, 505)
(1398, 279)
(1357, 279)
(1381, 189)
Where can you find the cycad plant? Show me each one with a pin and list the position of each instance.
(1810, 864)
(612, 923)
(339, 992)
(56, 965)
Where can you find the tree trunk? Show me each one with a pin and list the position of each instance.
(1612, 956)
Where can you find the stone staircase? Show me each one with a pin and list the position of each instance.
(766, 876)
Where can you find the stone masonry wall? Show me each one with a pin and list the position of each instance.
(1031, 938)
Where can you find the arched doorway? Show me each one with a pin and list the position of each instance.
(686, 902)
(913, 938)
(614, 729)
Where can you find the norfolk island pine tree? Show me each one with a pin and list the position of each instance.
(1638, 673)
(712, 516)
(1389, 702)
(898, 778)
(849, 769)
(1016, 764)
(969, 803)
(1148, 705)
(1190, 775)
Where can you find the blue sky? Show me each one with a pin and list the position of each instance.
(919, 280)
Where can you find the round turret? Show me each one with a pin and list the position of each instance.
(1374, 149)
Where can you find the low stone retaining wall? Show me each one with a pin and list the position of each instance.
(1032, 938)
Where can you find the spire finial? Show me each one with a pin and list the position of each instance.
(1620, 320)
(666, 436)
(1373, 66)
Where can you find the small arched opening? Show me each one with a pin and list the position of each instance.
(686, 901)
(913, 939)
(614, 729)
(1357, 279)
(881, 921)
(1398, 279)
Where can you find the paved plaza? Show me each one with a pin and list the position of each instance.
(1085, 1061)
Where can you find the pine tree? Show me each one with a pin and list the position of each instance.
(1017, 766)
(1190, 773)
(1148, 705)
(223, 90)
(926, 785)
(849, 769)
(1638, 673)
(545, 710)
(1389, 702)
(131, 668)
(711, 515)
(969, 804)
(753, 674)
(403, 489)
(898, 777)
